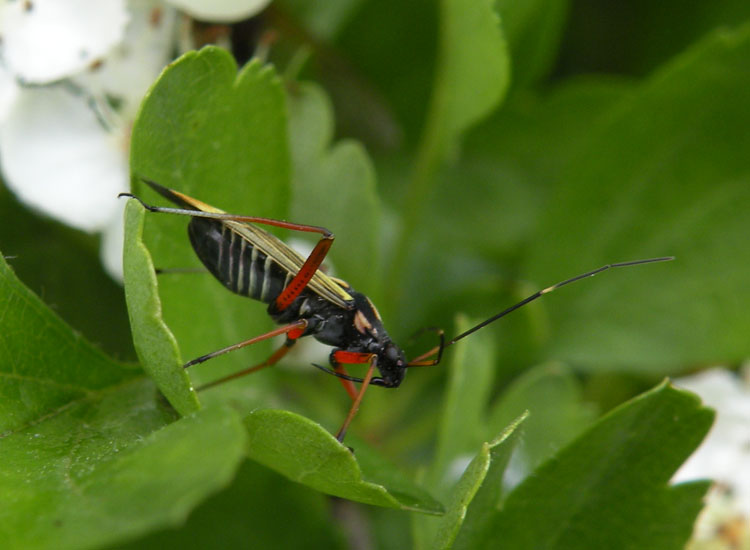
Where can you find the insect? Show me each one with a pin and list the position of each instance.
(251, 262)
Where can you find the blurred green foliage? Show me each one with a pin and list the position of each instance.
(599, 132)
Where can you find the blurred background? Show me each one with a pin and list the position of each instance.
(615, 131)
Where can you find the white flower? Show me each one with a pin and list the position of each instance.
(63, 147)
(72, 76)
(222, 11)
(48, 40)
(724, 455)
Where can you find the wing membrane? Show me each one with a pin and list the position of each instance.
(324, 286)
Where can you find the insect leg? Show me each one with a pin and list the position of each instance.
(198, 209)
(306, 272)
(355, 406)
(350, 357)
(348, 384)
(272, 360)
(293, 331)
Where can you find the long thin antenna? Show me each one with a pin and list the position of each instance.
(420, 361)
(553, 288)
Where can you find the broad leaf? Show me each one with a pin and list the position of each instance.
(89, 454)
(478, 493)
(663, 174)
(610, 487)
(553, 396)
(305, 452)
(44, 365)
(220, 136)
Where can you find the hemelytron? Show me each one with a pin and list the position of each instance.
(251, 262)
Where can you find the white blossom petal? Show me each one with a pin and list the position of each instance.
(724, 456)
(133, 65)
(222, 11)
(58, 158)
(110, 249)
(8, 91)
(48, 40)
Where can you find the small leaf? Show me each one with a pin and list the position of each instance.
(462, 425)
(609, 488)
(478, 492)
(473, 70)
(461, 430)
(303, 451)
(471, 78)
(334, 186)
(534, 30)
(154, 343)
(553, 396)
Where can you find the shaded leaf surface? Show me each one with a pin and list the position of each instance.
(609, 488)
(154, 343)
(89, 454)
(673, 159)
(220, 136)
(334, 186)
(305, 452)
(255, 511)
(477, 494)
(44, 365)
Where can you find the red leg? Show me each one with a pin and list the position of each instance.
(306, 272)
(272, 360)
(348, 384)
(355, 406)
(293, 331)
(203, 210)
(351, 357)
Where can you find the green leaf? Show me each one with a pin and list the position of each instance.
(334, 186)
(154, 343)
(44, 365)
(89, 456)
(220, 136)
(471, 79)
(94, 474)
(255, 511)
(610, 487)
(534, 30)
(472, 73)
(462, 426)
(477, 495)
(553, 396)
(64, 266)
(460, 432)
(664, 173)
(303, 451)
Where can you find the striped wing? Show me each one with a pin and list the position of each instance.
(289, 260)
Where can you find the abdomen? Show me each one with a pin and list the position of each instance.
(235, 262)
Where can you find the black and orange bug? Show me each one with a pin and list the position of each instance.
(305, 301)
